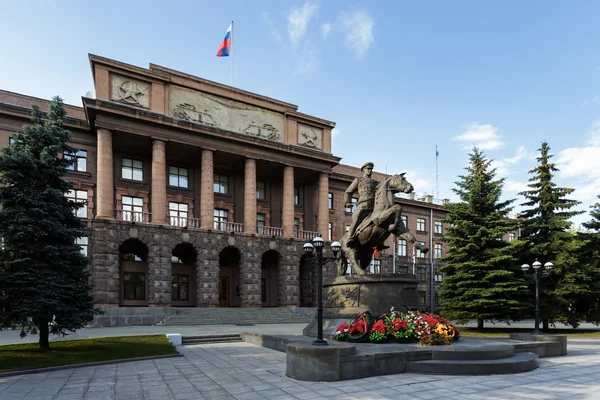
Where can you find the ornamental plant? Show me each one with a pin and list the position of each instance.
(359, 328)
(341, 332)
(378, 331)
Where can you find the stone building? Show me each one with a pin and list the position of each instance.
(201, 194)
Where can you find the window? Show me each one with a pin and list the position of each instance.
(132, 169)
(347, 227)
(79, 196)
(329, 231)
(220, 219)
(178, 214)
(132, 208)
(438, 275)
(375, 267)
(511, 236)
(420, 254)
(351, 209)
(261, 190)
(178, 177)
(134, 286)
(349, 270)
(221, 184)
(83, 242)
(260, 224)
(438, 227)
(180, 287)
(296, 196)
(78, 160)
(11, 140)
(296, 226)
(437, 250)
(330, 200)
(402, 245)
(422, 299)
(405, 221)
(420, 224)
(421, 274)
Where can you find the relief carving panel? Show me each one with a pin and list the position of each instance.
(130, 91)
(310, 136)
(225, 114)
(342, 296)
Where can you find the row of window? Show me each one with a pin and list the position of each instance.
(403, 247)
(134, 286)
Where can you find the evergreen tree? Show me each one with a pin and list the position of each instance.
(545, 224)
(480, 282)
(43, 275)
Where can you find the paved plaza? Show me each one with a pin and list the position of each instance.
(244, 371)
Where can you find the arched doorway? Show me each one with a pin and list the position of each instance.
(229, 277)
(133, 273)
(270, 278)
(183, 276)
(308, 282)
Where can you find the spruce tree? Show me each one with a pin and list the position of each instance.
(545, 224)
(480, 280)
(43, 275)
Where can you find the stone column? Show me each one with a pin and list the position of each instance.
(159, 182)
(207, 196)
(250, 196)
(105, 191)
(287, 217)
(323, 206)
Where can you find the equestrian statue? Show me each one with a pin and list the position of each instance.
(375, 218)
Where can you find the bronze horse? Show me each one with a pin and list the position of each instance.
(378, 226)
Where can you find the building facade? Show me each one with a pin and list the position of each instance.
(202, 195)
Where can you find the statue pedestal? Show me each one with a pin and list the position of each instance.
(346, 297)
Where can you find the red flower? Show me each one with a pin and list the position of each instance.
(358, 327)
(342, 328)
(379, 326)
(399, 324)
(432, 322)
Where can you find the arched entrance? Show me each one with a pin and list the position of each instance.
(270, 278)
(229, 277)
(183, 275)
(308, 282)
(133, 273)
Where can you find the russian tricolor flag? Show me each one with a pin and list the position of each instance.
(225, 44)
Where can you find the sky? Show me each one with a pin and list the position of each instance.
(398, 78)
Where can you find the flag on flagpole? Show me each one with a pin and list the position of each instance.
(375, 253)
(414, 259)
(225, 44)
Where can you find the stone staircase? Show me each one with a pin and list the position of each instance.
(240, 316)
(475, 360)
(208, 339)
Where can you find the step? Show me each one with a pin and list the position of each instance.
(473, 352)
(517, 363)
(204, 339)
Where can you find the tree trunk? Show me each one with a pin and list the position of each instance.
(545, 325)
(44, 334)
(480, 324)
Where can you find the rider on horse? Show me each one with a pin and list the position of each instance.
(365, 186)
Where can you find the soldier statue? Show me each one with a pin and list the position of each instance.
(365, 186)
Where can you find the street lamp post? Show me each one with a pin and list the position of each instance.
(317, 243)
(536, 277)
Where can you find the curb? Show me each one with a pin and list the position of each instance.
(82, 365)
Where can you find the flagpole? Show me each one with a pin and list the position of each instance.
(232, 56)
(437, 185)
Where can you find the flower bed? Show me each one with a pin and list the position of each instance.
(413, 326)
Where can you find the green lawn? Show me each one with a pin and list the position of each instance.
(28, 356)
(504, 332)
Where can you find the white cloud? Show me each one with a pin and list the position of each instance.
(484, 136)
(325, 29)
(298, 20)
(358, 30)
(265, 18)
(514, 186)
(309, 60)
(583, 165)
(593, 100)
(503, 165)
